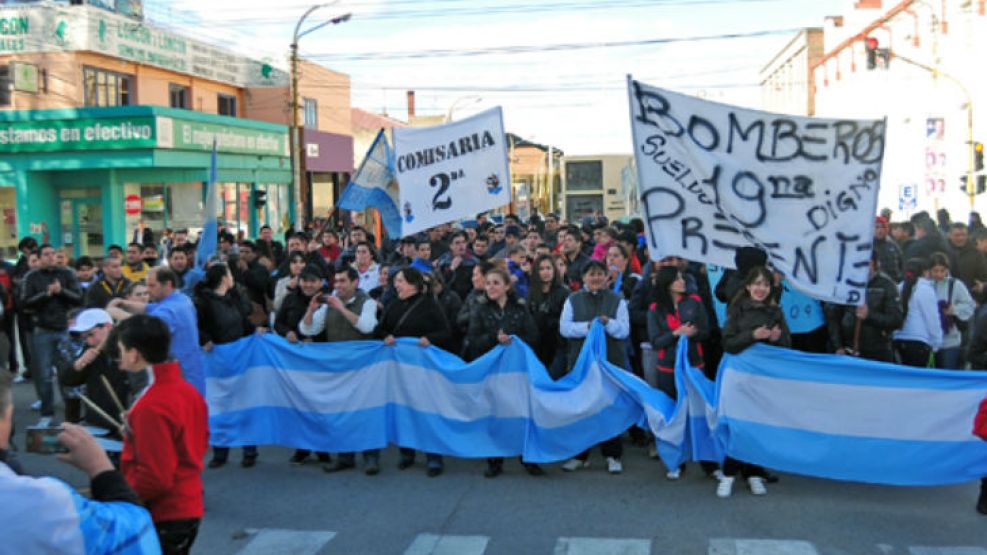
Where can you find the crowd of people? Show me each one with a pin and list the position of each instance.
(466, 288)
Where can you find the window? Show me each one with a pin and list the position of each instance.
(311, 109)
(178, 96)
(226, 105)
(584, 176)
(6, 84)
(106, 88)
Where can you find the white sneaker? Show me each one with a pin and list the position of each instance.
(36, 405)
(573, 465)
(19, 378)
(725, 487)
(717, 474)
(614, 466)
(673, 474)
(44, 422)
(756, 485)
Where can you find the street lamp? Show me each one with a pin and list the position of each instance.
(472, 98)
(296, 152)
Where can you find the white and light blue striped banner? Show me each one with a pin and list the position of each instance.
(828, 416)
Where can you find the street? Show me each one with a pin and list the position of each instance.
(278, 508)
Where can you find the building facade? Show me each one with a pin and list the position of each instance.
(786, 82)
(923, 78)
(597, 185)
(66, 69)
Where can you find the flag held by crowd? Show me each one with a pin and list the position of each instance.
(374, 186)
(452, 171)
(820, 415)
(714, 177)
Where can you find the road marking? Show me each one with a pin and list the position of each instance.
(602, 546)
(760, 547)
(435, 544)
(947, 551)
(271, 541)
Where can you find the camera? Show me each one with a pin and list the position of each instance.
(44, 441)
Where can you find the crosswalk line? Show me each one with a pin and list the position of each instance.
(728, 546)
(435, 544)
(272, 541)
(918, 550)
(602, 546)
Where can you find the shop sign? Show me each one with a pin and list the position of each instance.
(153, 203)
(48, 28)
(194, 135)
(78, 134)
(132, 205)
(25, 77)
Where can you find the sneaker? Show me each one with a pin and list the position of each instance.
(340, 464)
(433, 470)
(725, 487)
(44, 422)
(493, 470)
(248, 462)
(371, 467)
(36, 405)
(19, 378)
(298, 458)
(534, 469)
(717, 475)
(673, 474)
(216, 463)
(614, 466)
(756, 485)
(405, 463)
(573, 465)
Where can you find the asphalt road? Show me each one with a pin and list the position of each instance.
(278, 508)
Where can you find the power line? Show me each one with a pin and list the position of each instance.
(523, 49)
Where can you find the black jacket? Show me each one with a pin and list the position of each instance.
(662, 324)
(292, 310)
(50, 311)
(546, 311)
(222, 319)
(889, 258)
(487, 318)
(102, 292)
(67, 353)
(744, 317)
(417, 316)
(977, 353)
(884, 315)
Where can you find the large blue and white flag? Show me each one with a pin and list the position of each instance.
(50, 517)
(819, 415)
(373, 186)
(850, 419)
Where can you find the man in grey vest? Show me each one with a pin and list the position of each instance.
(348, 314)
(596, 302)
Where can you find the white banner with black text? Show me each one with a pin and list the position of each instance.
(714, 177)
(451, 171)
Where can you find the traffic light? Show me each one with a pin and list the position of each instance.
(874, 53)
(981, 184)
(871, 46)
(260, 198)
(978, 156)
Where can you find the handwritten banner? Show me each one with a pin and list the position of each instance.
(714, 177)
(451, 171)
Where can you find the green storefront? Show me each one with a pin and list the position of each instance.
(84, 178)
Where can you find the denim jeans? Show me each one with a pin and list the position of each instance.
(43, 345)
(950, 358)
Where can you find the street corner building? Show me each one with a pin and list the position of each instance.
(107, 121)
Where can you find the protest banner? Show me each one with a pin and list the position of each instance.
(373, 186)
(451, 171)
(890, 424)
(714, 177)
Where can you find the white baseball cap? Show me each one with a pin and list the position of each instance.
(89, 319)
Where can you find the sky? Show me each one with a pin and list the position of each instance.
(543, 62)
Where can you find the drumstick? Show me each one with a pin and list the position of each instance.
(113, 394)
(100, 411)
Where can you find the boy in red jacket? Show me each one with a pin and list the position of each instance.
(980, 430)
(167, 436)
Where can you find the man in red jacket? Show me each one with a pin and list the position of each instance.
(980, 430)
(167, 436)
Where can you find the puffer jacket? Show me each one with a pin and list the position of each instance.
(884, 315)
(744, 317)
(546, 312)
(487, 318)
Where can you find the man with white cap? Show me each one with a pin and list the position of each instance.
(94, 326)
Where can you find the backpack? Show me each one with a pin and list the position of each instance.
(947, 321)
